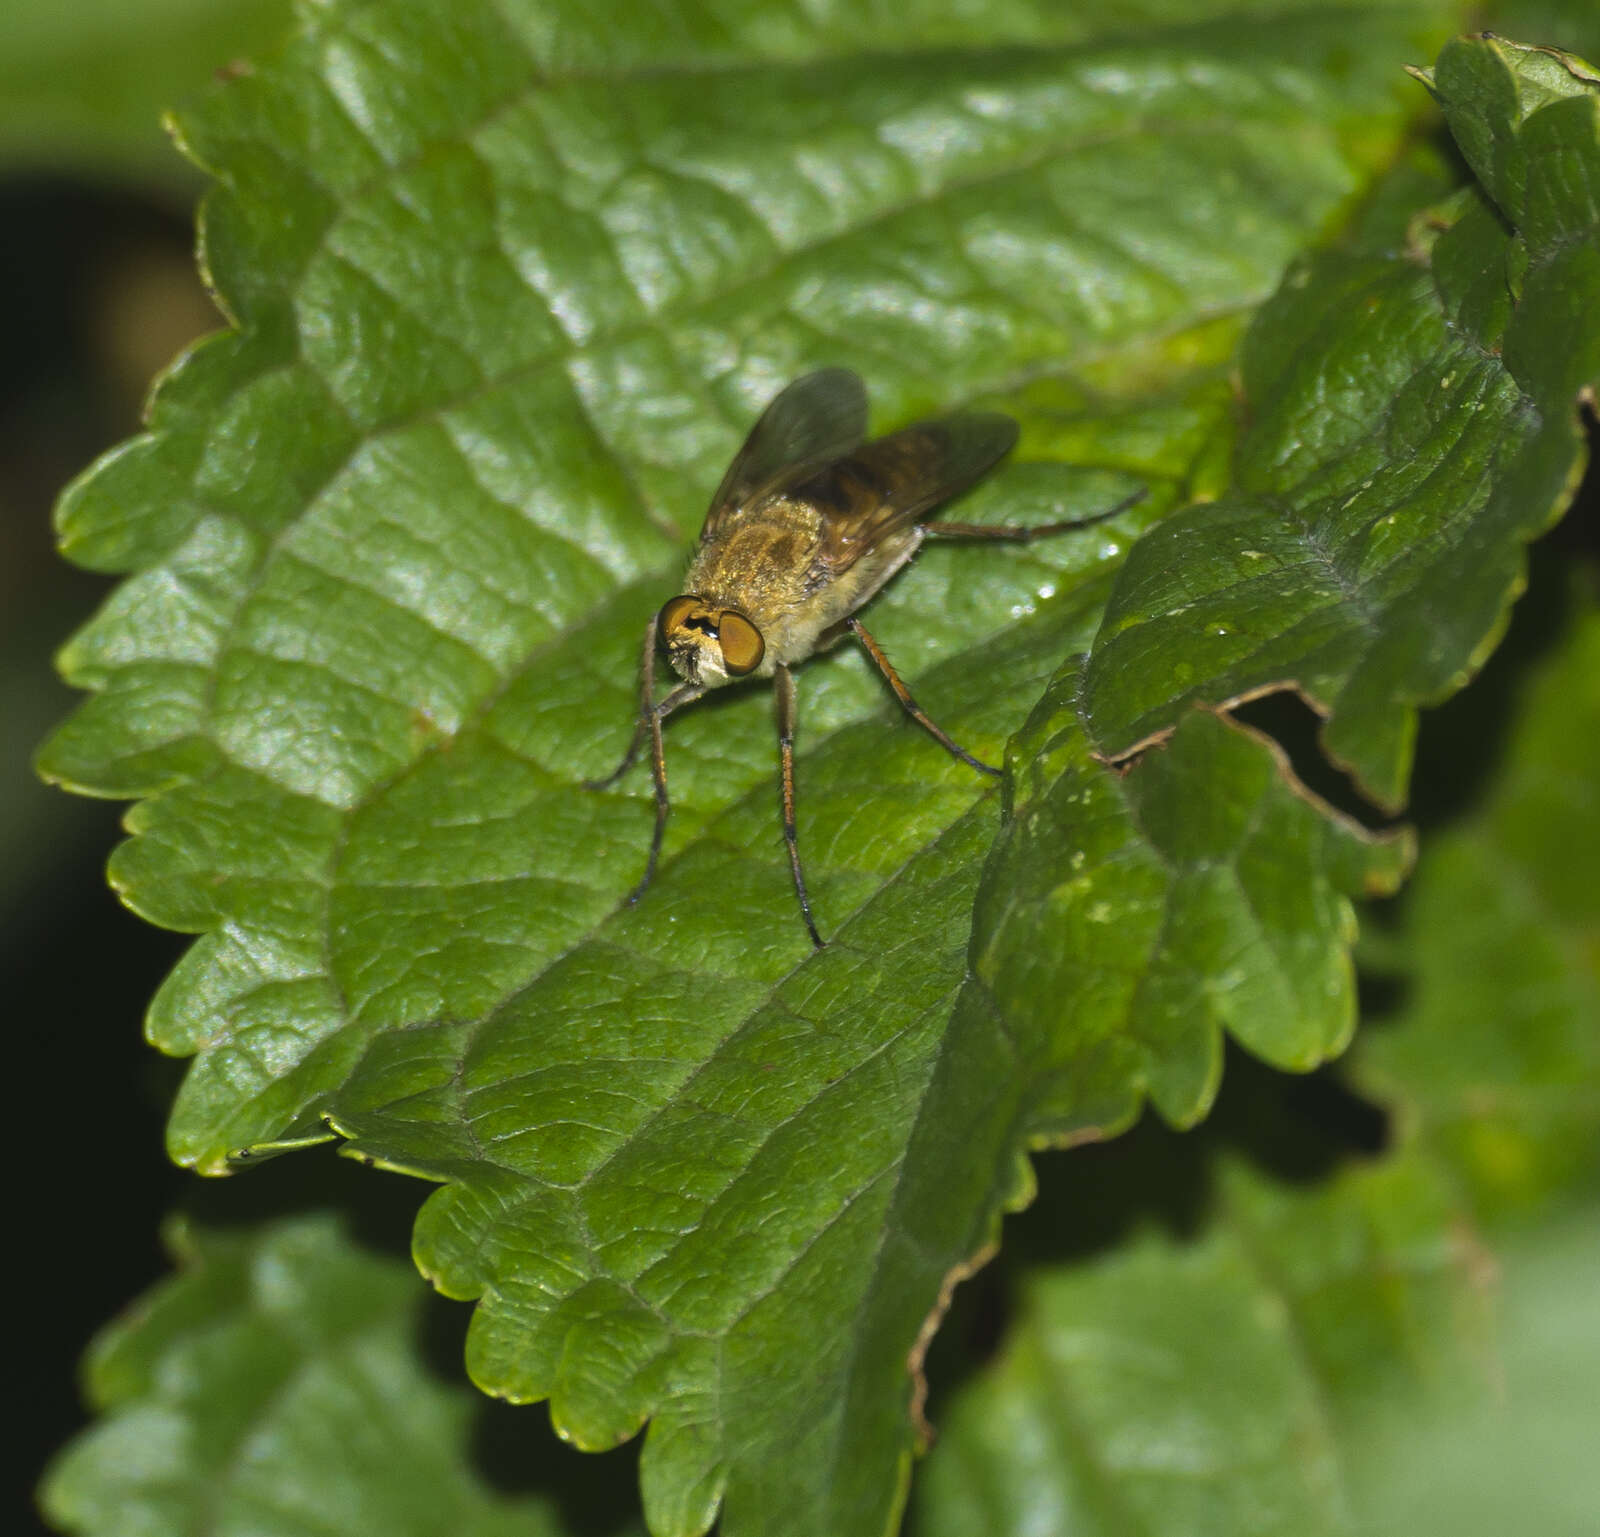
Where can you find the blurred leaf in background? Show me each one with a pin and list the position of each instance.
(278, 1383)
(83, 86)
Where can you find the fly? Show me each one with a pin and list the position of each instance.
(809, 522)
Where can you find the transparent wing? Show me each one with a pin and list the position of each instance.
(817, 419)
(885, 486)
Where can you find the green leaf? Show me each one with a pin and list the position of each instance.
(1416, 424)
(1206, 890)
(275, 1385)
(509, 286)
(1319, 1358)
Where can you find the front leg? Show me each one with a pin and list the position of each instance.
(648, 723)
(783, 688)
(641, 724)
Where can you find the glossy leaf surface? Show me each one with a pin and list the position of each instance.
(1373, 541)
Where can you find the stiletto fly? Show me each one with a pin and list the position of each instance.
(809, 522)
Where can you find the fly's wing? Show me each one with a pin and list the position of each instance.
(819, 418)
(886, 486)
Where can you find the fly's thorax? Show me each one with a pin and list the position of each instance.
(760, 566)
(710, 643)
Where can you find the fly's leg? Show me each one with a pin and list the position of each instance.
(640, 727)
(1016, 533)
(783, 686)
(1021, 533)
(910, 705)
(648, 724)
(647, 679)
(652, 716)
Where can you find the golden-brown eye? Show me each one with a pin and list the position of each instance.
(742, 645)
(674, 611)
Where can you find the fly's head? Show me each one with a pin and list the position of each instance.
(708, 644)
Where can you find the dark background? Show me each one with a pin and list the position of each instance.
(101, 291)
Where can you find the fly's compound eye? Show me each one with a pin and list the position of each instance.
(742, 645)
(675, 614)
